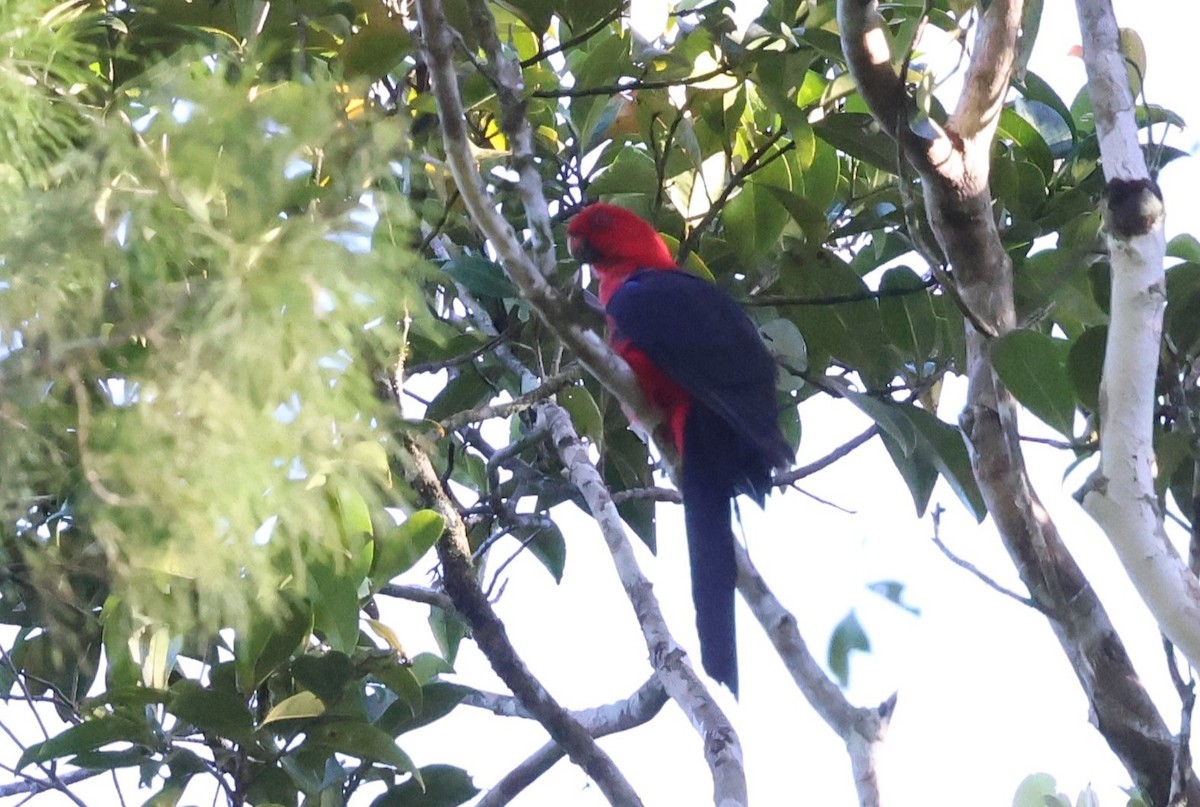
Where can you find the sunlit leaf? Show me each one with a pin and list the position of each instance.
(301, 705)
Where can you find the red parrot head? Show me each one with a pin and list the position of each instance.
(616, 243)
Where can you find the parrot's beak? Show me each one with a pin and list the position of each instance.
(580, 249)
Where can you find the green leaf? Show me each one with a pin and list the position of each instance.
(1085, 366)
(168, 796)
(1037, 90)
(942, 444)
(121, 670)
(805, 213)
(377, 47)
(856, 134)
(401, 680)
(216, 712)
(626, 466)
(786, 345)
(334, 597)
(361, 741)
(438, 699)
(353, 511)
(426, 667)
(111, 760)
(919, 474)
(584, 412)
(466, 390)
(1057, 281)
(890, 417)
(303, 704)
(1022, 133)
(922, 446)
(1034, 367)
(893, 592)
(480, 276)
(325, 675)
(847, 637)
(1185, 247)
(268, 643)
(633, 171)
(398, 550)
(449, 629)
(582, 16)
(88, 736)
(546, 543)
(534, 13)
(850, 331)
(753, 220)
(1182, 321)
(1036, 790)
(908, 320)
(445, 786)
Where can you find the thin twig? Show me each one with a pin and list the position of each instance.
(973, 569)
(613, 89)
(838, 299)
(1182, 768)
(752, 164)
(567, 44)
(789, 477)
(421, 594)
(33, 786)
(527, 401)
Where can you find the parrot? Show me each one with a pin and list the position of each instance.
(701, 363)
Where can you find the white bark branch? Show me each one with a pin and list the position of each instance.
(1120, 495)
(862, 730)
(639, 708)
(960, 208)
(722, 749)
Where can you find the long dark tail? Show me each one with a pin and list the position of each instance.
(707, 500)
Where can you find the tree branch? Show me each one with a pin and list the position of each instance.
(522, 403)
(510, 86)
(954, 167)
(34, 786)
(796, 474)
(861, 729)
(425, 596)
(639, 708)
(1120, 495)
(988, 73)
(458, 577)
(438, 43)
(722, 750)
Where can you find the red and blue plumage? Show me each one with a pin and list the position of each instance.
(700, 361)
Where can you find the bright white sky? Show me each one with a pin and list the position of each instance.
(985, 694)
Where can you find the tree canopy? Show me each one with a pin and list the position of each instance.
(286, 304)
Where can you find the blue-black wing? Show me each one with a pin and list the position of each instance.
(701, 338)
